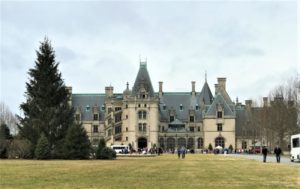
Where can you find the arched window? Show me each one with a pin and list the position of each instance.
(181, 142)
(219, 141)
(190, 143)
(170, 143)
(142, 114)
(200, 143)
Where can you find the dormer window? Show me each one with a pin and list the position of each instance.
(181, 107)
(87, 108)
(96, 117)
(164, 107)
(192, 119)
(219, 114)
(103, 107)
(197, 107)
(171, 118)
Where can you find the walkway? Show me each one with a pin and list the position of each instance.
(270, 158)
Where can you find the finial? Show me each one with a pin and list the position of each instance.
(127, 86)
(237, 99)
(205, 76)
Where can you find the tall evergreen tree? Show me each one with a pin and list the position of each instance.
(42, 150)
(46, 109)
(77, 144)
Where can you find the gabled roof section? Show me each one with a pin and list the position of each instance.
(206, 95)
(83, 101)
(213, 107)
(143, 81)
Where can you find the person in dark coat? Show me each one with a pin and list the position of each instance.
(277, 152)
(178, 152)
(265, 153)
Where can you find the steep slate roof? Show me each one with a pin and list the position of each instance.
(143, 78)
(219, 100)
(84, 100)
(206, 95)
(172, 101)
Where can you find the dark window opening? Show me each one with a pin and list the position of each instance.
(95, 128)
(96, 117)
(192, 118)
(171, 118)
(219, 114)
(220, 127)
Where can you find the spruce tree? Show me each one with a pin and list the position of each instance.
(101, 145)
(46, 109)
(42, 150)
(77, 144)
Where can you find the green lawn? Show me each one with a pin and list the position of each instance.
(166, 171)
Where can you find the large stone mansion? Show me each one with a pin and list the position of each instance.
(145, 118)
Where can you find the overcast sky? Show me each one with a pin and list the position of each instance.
(251, 43)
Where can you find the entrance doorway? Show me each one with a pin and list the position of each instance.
(142, 143)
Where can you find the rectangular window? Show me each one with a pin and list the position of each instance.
(126, 129)
(199, 129)
(296, 142)
(164, 107)
(171, 118)
(118, 109)
(95, 128)
(126, 138)
(95, 117)
(140, 127)
(191, 118)
(118, 130)
(192, 129)
(219, 114)
(220, 127)
(118, 118)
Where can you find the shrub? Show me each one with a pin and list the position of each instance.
(42, 150)
(19, 148)
(108, 153)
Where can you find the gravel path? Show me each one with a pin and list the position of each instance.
(270, 158)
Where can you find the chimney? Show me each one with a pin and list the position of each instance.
(222, 82)
(248, 103)
(265, 99)
(193, 88)
(216, 89)
(109, 91)
(160, 88)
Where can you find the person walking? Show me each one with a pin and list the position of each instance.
(183, 152)
(265, 153)
(277, 152)
(178, 152)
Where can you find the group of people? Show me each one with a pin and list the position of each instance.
(277, 152)
(181, 152)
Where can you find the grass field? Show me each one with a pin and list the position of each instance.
(196, 171)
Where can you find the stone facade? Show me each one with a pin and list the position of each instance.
(169, 120)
